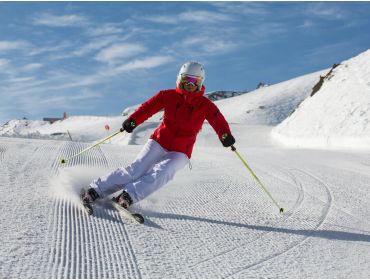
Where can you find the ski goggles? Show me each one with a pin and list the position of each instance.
(191, 80)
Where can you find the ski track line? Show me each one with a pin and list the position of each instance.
(74, 233)
(13, 164)
(298, 202)
(227, 271)
(24, 172)
(328, 206)
(44, 153)
(333, 206)
(2, 152)
(345, 212)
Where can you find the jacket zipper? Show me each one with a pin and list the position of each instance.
(177, 107)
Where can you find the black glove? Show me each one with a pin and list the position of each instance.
(227, 140)
(129, 125)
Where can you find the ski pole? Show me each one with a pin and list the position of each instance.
(258, 180)
(63, 161)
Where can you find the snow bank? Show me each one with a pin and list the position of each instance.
(79, 128)
(338, 115)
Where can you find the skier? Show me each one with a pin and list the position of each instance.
(170, 146)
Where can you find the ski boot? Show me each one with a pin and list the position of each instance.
(124, 200)
(87, 197)
(122, 203)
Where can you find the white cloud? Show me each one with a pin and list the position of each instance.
(12, 45)
(192, 16)
(105, 29)
(268, 29)
(324, 11)
(307, 24)
(17, 80)
(208, 44)
(204, 16)
(247, 8)
(118, 51)
(60, 21)
(219, 46)
(4, 64)
(146, 63)
(68, 100)
(53, 47)
(31, 67)
(95, 45)
(327, 50)
(163, 19)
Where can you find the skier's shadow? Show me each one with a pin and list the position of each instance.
(327, 234)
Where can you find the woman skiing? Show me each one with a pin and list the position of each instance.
(170, 146)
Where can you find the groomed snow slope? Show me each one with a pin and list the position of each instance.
(338, 115)
(210, 222)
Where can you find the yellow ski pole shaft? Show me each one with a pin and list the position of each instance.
(257, 179)
(63, 161)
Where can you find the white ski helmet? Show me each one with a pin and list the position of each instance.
(192, 68)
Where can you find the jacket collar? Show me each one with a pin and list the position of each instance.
(191, 94)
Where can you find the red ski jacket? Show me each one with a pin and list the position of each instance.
(184, 114)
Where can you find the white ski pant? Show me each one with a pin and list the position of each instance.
(153, 168)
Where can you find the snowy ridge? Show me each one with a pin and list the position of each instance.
(269, 105)
(338, 115)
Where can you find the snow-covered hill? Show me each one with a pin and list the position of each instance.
(269, 105)
(338, 115)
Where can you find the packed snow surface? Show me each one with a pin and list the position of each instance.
(338, 115)
(213, 220)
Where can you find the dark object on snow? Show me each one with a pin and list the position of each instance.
(261, 84)
(222, 94)
(328, 76)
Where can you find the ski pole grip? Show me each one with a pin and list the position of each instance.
(233, 148)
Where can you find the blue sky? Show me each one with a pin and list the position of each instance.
(97, 58)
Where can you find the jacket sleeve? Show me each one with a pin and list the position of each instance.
(217, 120)
(148, 108)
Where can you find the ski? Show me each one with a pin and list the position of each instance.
(128, 215)
(134, 217)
